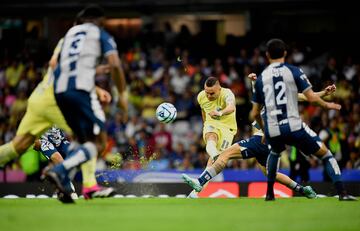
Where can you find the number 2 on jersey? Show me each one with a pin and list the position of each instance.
(280, 97)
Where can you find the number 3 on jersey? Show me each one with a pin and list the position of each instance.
(77, 43)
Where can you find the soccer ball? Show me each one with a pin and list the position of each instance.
(166, 113)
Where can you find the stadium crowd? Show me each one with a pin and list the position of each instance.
(169, 66)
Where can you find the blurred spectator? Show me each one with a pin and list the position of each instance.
(150, 102)
(177, 155)
(13, 73)
(158, 161)
(330, 73)
(354, 162)
(162, 138)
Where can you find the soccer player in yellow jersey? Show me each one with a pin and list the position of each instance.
(41, 114)
(218, 113)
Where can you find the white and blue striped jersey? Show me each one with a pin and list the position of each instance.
(80, 53)
(277, 90)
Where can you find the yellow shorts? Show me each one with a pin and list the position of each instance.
(225, 136)
(42, 113)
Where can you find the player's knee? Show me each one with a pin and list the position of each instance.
(233, 152)
(22, 143)
(322, 151)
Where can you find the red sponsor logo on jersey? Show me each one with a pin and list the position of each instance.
(258, 189)
(221, 190)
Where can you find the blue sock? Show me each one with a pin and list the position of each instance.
(206, 175)
(332, 169)
(272, 168)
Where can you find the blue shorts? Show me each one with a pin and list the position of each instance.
(82, 112)
(305, 139)
(254, 149)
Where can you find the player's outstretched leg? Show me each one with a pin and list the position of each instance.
(293, 185)
(333, 170)
(211, 171)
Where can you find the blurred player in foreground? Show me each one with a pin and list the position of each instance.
(74, 88)
(253, 148)
(42, 112)
(276, 89)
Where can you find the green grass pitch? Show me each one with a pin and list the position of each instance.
(172, 214)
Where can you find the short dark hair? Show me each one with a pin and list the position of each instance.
(211, 81)
(276, 48)
(91, 11)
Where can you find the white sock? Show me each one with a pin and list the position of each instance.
(292, 184)
(211, 171)
(211, 149)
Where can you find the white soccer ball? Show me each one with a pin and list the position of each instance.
(166, 113)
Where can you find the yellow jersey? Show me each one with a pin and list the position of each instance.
(45, 89)
(229, 120)
(42, 111)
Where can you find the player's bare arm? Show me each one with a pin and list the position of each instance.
(117, 74)
(329, 90)
(314, 98)
(203, 115)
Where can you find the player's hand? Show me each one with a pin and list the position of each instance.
(252, 76)
(215, 114)
(102, 69)
(334, 106)
(330, 89)
(104, 95)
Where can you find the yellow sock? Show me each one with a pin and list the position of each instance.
(88, 173)
(7, 153)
